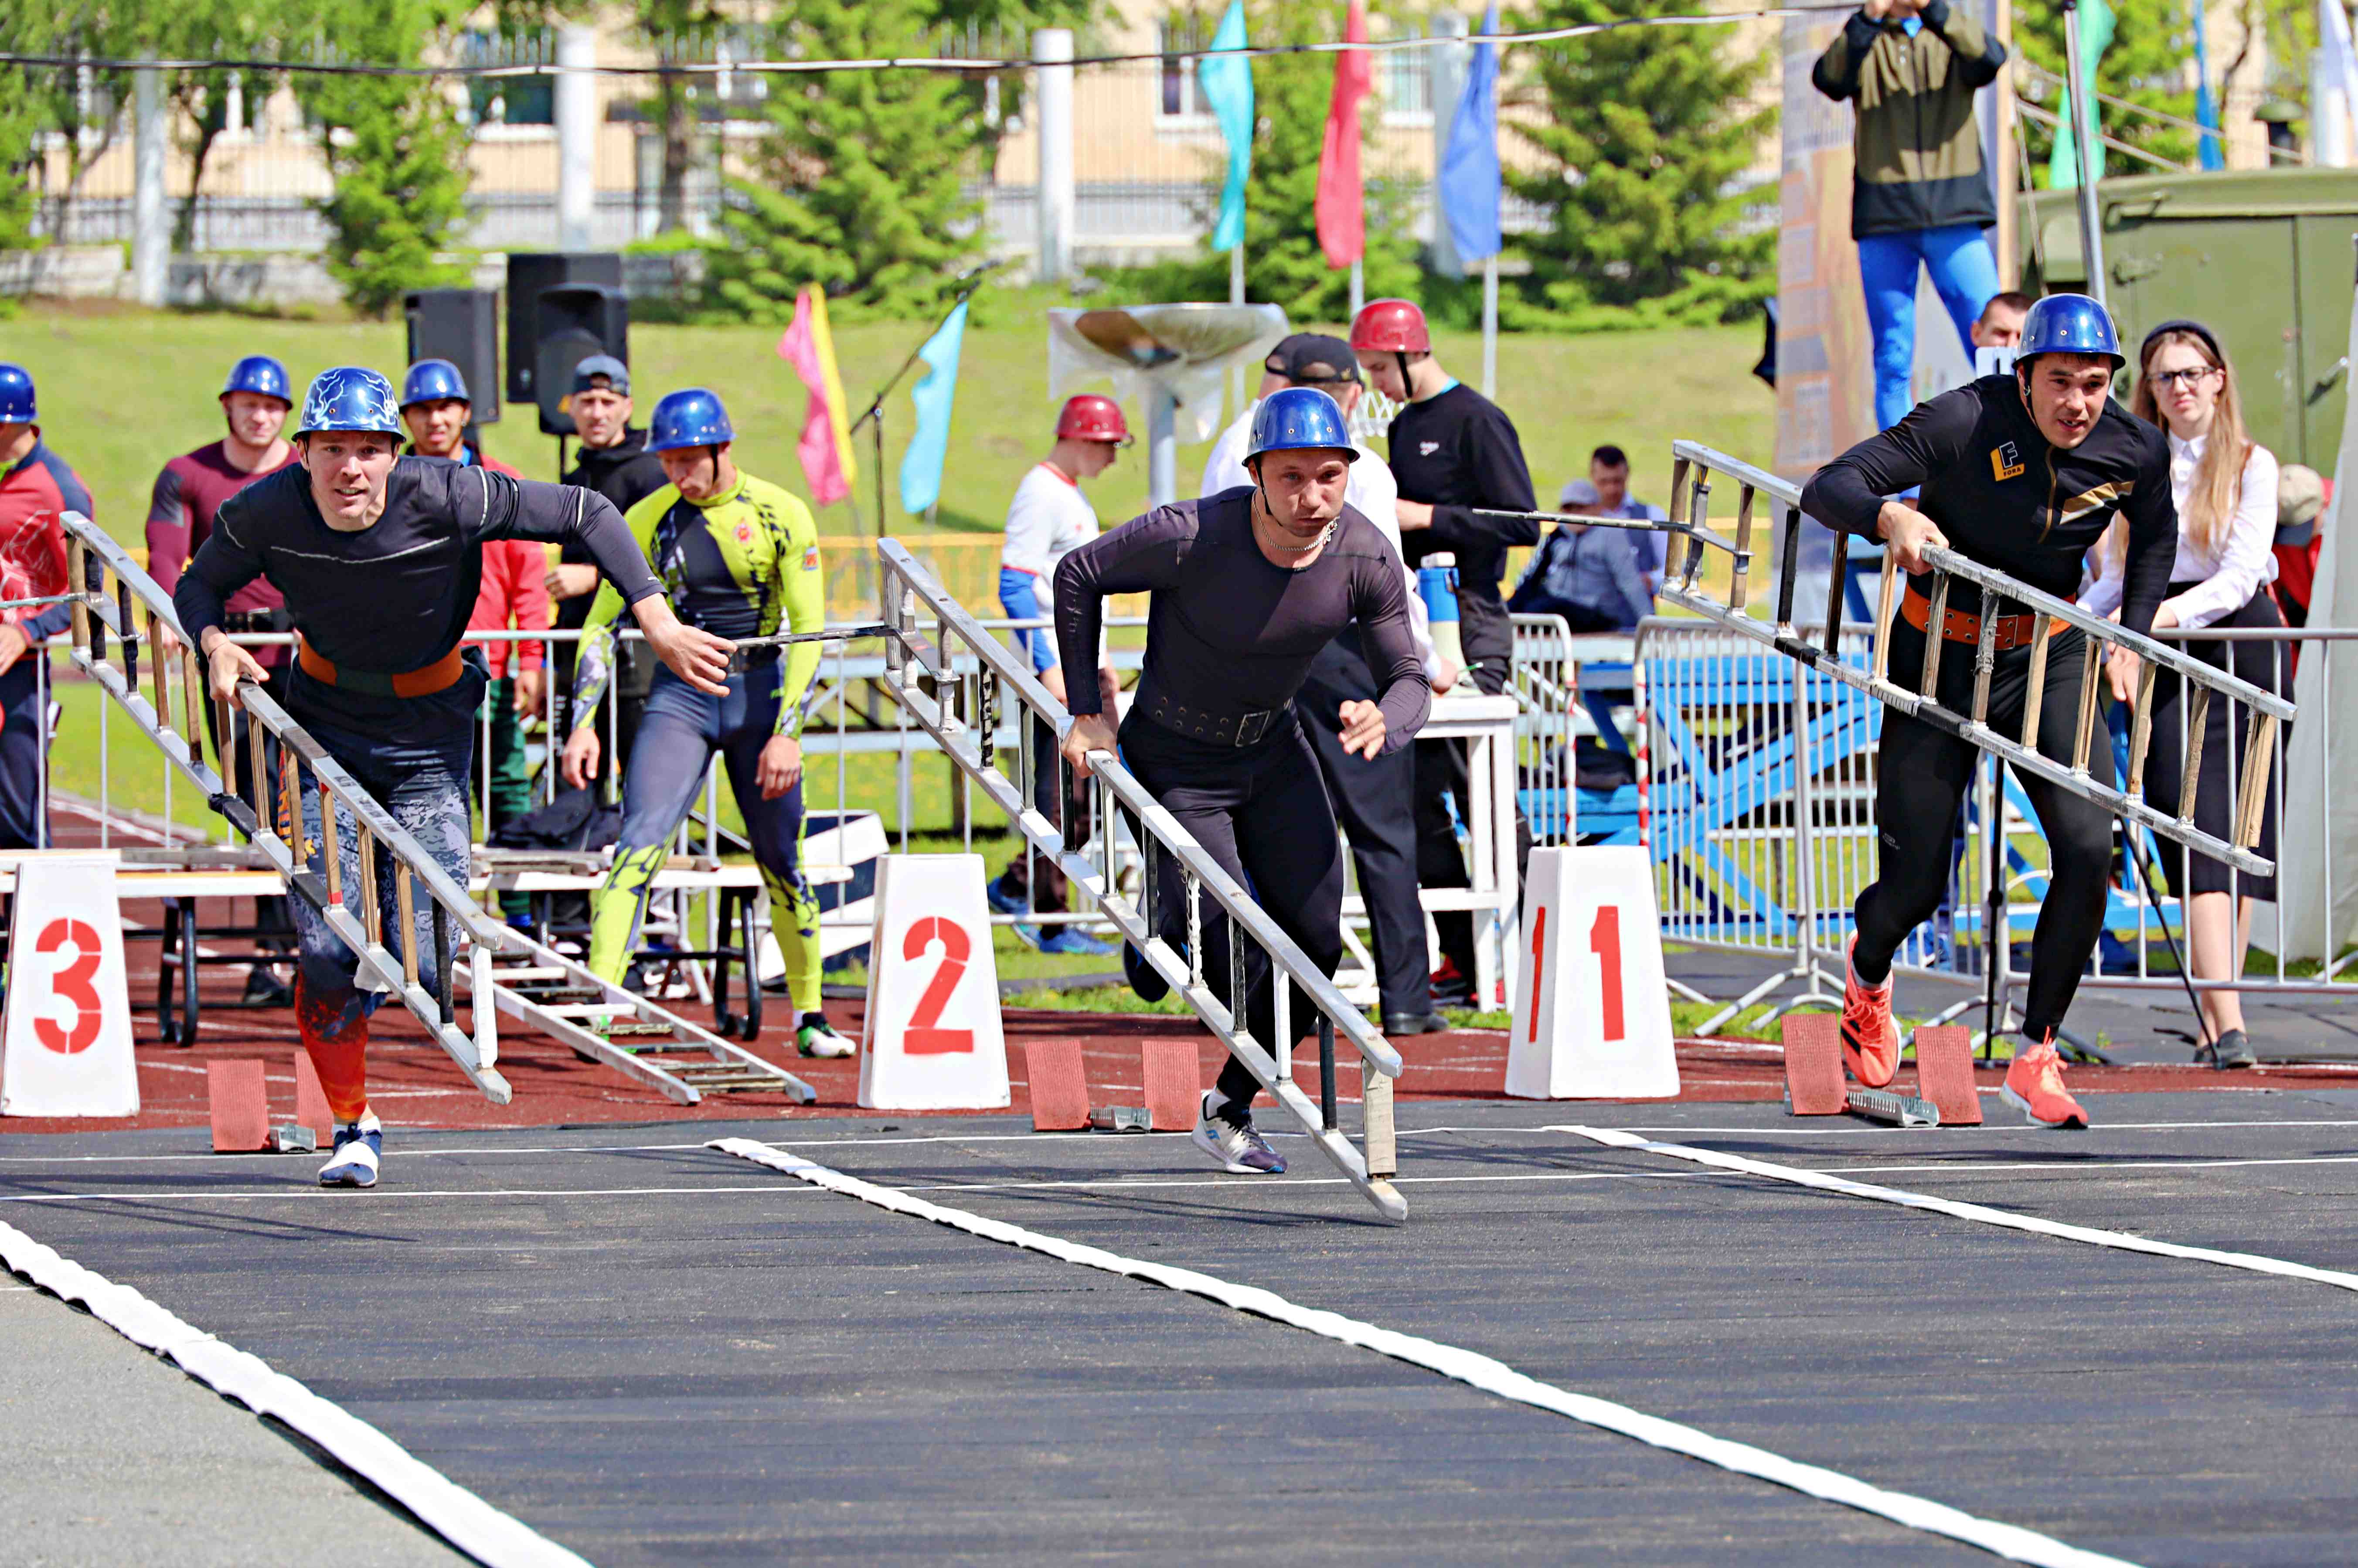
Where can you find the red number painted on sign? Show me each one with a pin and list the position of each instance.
(925, 1037)
(71, 984)
(1605, 941)
(1539, 968)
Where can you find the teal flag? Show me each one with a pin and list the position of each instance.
(2064, 163)
(1225, 84)
(929, 448)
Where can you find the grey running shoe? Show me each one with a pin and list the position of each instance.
(2233, 1049)
(1227, 1134)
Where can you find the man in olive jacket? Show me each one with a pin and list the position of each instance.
(1919, 194)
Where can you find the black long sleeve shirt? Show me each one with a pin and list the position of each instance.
(395, 596)
(1456, 451)
(2006, 498)
(1228, 630)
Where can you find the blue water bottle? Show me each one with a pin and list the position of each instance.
(1436, 584)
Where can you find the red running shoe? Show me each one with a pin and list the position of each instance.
(1870, 1040)
(2034, 1085)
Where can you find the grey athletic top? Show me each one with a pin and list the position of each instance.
(1227, 631)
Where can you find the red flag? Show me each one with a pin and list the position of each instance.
(1342, 203)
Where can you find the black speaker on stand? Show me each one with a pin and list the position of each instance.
(531, 274)
(461, 325)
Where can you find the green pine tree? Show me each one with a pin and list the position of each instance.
(859, 186)
(2146, 65)
(1644, 134)
(398, 154)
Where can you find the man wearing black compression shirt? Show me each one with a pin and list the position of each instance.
(1249, 586)
(379, 559)
(2022, 472)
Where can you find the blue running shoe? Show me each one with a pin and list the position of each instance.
(1030, 936)
(1003, 901)
(1144, 978)
(358, 1148)
(1225, 1131)
(1072, 939)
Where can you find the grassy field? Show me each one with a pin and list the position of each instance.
(124, 389)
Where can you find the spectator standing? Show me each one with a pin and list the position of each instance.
(1590, 575)
(1999, 326)
(255, 398)
(1375, 797)
(2301, 500)
(615, 461)
(437, 408)
(37, 489)
(2225, 486)
(1049, 518)
(1919, 194)
(1453, 452)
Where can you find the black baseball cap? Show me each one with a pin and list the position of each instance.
(617, 374)
(1308, 359)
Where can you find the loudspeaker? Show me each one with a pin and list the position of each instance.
(461, 325)
(575, 320)
(528, 274)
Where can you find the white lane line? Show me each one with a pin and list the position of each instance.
(312, 1191)
(1868, 1129)
(457, 1515)
(1485, 1373)
(1823, 1181)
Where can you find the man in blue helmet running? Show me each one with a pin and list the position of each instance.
(379, 556)
(2024, 472)
(737, 557)
(1249, 586)
(255, 399)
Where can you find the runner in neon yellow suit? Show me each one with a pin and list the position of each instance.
(737, 557)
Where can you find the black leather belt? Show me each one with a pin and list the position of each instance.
(1247, 728)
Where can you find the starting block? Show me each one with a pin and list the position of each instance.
(1121, 1118)
(238, 1103)
(1945, 1073)
(1174, 1089)
(1815, 1085)
(311, 1110)
(1060, 1091)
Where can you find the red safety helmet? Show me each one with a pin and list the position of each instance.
(1391, 326)
(1089, 418)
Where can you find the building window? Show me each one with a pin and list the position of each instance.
(1404, 77)
(512, 100)
(1176, 80)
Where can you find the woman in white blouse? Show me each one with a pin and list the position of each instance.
(2225, 488)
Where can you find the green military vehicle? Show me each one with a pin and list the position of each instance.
(2265, 260)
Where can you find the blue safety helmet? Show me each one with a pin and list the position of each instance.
(259, 373)
(16, 404)
(2069, 324)
(431, 381)
(691, 416)
(349, 398)
(1298, 417)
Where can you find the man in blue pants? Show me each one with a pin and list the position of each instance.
(1919, 194)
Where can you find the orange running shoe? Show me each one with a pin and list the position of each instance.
(1871, 1039)
(2034, 1085)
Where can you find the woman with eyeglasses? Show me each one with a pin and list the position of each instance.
(2224, 485)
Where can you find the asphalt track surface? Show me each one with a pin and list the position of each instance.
(655, 1353)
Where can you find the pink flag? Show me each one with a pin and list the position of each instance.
(1342, 205)
(826, 445)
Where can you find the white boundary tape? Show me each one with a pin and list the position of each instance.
(2121, 1241)
(451, 1512)
(1476, 1370)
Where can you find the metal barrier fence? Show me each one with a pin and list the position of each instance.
(956, 683)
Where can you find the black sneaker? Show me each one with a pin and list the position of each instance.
(264, 988)
(1144, 978)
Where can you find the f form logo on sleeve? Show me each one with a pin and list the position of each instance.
(2006, 463)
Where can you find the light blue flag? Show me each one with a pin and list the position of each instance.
(929, 448)
(2206, 108)
(1469, 168)
(1226, 87)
